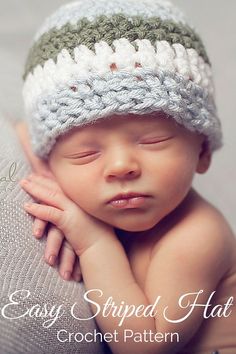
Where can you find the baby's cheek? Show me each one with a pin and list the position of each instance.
(178, 177)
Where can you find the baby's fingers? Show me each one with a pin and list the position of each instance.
(54, 241)
(39, 227)
(67, 260)
(44, 193)
(45, 180)
(77, 274)
(45, 212)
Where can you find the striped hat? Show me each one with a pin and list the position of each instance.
(96, 58)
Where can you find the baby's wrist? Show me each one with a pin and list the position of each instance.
(100, 241)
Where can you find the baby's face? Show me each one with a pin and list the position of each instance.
(150, 155)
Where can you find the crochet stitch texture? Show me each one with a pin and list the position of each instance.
(94, 59)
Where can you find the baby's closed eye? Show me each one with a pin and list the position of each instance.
(84, 157)
(156, 140)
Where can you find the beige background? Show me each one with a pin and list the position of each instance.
(214, 20)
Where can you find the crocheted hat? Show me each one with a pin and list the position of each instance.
(96, 58)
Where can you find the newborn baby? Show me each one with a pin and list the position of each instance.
(122, 134)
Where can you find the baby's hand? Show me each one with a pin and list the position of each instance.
(59, 251)
(56, 246)
(80, 229)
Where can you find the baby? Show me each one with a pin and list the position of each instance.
(120, 107)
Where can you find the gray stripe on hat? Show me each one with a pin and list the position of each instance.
(74, 11)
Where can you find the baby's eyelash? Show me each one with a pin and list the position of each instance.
(155, 141)
(83, 155)
(150, 142)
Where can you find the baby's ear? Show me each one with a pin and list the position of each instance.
(204, 158)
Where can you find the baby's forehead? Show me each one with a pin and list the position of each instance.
(126, 123)
(129, 125)
(111, 128)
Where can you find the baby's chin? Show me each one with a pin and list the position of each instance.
(137, 226)
(136, 222)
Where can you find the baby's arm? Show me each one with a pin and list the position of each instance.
(188, 260)
(57, 248)
(193, 258)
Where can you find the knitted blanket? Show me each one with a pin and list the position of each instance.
(35, 303)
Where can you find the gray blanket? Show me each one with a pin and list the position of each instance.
(26, 280)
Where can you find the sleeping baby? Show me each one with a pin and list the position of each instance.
(120, 117)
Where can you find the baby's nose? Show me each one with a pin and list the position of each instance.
(123, 166)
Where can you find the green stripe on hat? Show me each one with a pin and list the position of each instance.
(108, 29)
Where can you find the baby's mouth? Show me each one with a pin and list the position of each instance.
(128, 200)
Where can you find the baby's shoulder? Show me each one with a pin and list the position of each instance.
(206, 220)
(200, 230)
(199, 219)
